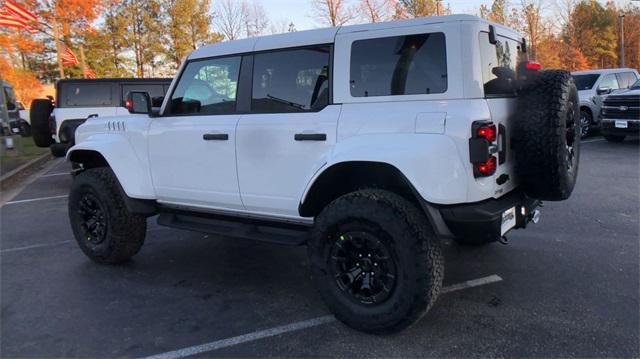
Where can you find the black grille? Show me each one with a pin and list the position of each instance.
(622, 107)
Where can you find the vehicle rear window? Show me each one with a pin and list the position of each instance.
(87, 95)
(585, 82)
(499, 64)
(399, 65)
(291, 80)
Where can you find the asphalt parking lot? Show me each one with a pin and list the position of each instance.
(566, 287)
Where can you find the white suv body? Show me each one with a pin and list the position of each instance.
(262, 169)
(369, 143)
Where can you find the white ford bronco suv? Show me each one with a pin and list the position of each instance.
(369, 143)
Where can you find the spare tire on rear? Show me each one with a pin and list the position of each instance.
(39, 114)
(547, 136)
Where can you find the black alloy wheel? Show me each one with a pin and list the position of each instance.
(363, 267)
(94, 219)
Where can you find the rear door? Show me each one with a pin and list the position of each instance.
(499, 62)
(290, 129)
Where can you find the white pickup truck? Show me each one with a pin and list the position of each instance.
(370, 143)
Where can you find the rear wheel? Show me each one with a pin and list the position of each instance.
(39, 115)
(103, 227)
(375, 261)
(614, 138)
(59, 149)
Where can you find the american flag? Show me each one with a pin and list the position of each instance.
(68, 57)
(20, 12)
(88, 73)
(10, 19)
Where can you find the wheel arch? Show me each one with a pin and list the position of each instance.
(116, 153)
(343, 177)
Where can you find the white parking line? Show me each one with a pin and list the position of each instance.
(35, 199)
(56, 174)
(305, 324)
(472, 283)
(17, 249)
(594, 140)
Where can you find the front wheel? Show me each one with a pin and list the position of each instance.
(586, 121)
(375, 261)
(103, 227)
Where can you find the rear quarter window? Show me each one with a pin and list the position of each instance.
(87, 95)
(499, 64)
(399, 65)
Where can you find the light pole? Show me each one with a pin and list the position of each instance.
(621, 16)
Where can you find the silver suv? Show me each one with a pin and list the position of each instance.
(593, 86)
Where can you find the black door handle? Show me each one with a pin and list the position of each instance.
(310, 137)
(215, 137)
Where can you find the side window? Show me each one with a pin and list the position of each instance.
(499, 63)
(88, 95)
(10, 98)
(291, 80)
(399, 65)
(610, 81)
(626, 79)
(207, 87)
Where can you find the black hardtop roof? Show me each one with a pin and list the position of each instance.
(119, 79)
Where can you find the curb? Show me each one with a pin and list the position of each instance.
(33, 163)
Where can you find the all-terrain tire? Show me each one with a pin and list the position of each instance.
(614, 138)
(39, 114)
(405, 232)
(547, 136)
(123, 232)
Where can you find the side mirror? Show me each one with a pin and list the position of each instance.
(138, 102)
(603, 90)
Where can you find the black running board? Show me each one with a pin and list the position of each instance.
(280, 233)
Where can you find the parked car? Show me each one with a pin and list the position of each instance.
(370, 143)
(54, 122)
(621, 114)
(15, 124)
(593, 86)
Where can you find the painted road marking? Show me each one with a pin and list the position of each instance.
(472, 283)
(35, 199)
(17, 249)
(594, 140)
(296, 326)
(56, 174)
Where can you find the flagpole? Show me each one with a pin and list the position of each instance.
(82, 63)
(56, 40)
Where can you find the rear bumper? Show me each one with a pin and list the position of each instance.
(608, 127)
(483, 220)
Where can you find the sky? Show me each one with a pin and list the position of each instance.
(299, 11)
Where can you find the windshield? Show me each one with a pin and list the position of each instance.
(585, 82)
(636, 85)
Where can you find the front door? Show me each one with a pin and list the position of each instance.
(192, 147)
(290, 130)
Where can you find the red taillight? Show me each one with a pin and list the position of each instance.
(128, 104)
(488, 167)
(488, 132)
(532, 65)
